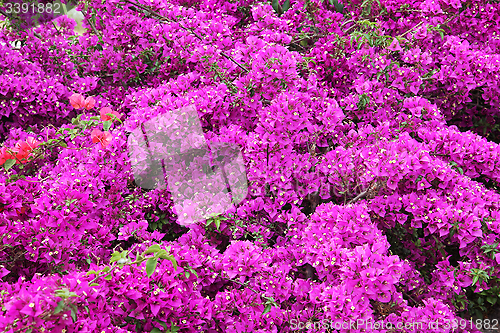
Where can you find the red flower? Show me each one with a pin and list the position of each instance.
(24, 148)
(78, 101)
(89, 102)
(5, 155)
(30, 144)
(103, 137)
(105, 111)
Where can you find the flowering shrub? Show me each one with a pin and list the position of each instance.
(370, 137)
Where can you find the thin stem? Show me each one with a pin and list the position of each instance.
(346, 22)
(37, 181)
(55, 27)
(244, 285)
(92, 25)
(362, 194)
(410, 298)
(418, 25)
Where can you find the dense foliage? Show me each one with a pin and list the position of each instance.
(369, 132)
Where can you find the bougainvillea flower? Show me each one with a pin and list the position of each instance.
(395, 46)
(99, 136)
(3, 271)
(89, 103)
(28, 145)
(5, 155)
(105, 111)
(23, 149)
(79, 102)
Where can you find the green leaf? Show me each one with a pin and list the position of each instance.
(108, 277)
(151, 266)
(163, 254)
(153, 248)
(286, 5)
(9, 164)
(479, 314)
(174, 328)
(93, 284)
(369, 9)
(95, 117)
(267, 309)
(217, 224)
(107, 125)
(115, 256)
(60, 307)
(173, 261)
(273, 302)
(73, 312)
(492, 300)
(162, 323)
(275, 5)
(155, 330)
(339, 8)
(475, 279)
(193, 271)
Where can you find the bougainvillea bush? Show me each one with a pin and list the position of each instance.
(370, 137)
